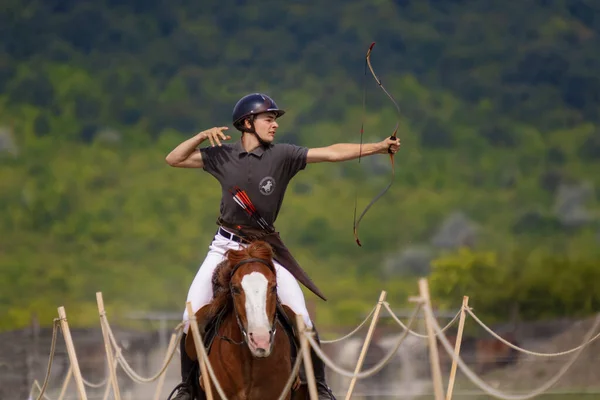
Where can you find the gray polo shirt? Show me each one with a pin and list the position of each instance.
(264, 174)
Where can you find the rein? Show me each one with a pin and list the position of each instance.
(244, 333)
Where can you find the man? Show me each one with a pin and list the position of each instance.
(263, 170)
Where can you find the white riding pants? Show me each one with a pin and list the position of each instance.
(201, 291)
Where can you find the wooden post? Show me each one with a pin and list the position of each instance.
(366, 344)
(64, 325)
(108, 387)
(308, 366)
(436, 372)
(63, 390)
(112, 370)
(461, 325)
(199, 350)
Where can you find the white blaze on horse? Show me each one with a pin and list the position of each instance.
(260, 330)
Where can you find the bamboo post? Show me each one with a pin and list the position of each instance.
(64, 325)
(108, 347)
(107, 391)
(366, 344)
(308, 366)
(161, 380)
(461, 326)
(436, 372)
(63, 390)
(202, 358)
(108, 387)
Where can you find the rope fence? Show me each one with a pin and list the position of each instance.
(116, 359)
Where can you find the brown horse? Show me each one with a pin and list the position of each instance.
(249, 334)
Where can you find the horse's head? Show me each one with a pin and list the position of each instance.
(252, 285)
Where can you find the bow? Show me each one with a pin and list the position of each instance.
(357, 221)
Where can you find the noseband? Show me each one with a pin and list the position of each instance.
(233, 271)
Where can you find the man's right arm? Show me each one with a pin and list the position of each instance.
(187, 155)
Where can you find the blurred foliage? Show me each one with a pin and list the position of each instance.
(524, 285)
(500, 110)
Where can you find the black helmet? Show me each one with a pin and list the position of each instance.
(253, 104)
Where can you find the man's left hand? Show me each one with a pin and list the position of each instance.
(392, 144)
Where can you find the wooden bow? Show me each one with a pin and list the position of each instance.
(393, 136)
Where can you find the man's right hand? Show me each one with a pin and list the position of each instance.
(215, 135)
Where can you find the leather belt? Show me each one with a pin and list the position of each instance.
(231, 236)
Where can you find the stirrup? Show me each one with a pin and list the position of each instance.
(182, 385)
(324, 390)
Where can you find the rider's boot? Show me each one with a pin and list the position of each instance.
(323, 389)
(185, 389)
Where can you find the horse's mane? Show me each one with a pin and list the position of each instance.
(222, 275)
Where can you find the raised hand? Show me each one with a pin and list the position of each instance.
(215, 135)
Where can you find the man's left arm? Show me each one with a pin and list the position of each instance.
(350, 151)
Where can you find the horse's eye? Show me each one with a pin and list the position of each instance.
(274, 289)
(235, 290)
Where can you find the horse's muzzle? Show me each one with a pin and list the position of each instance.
(260, 342)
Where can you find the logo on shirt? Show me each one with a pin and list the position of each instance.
(267, 185)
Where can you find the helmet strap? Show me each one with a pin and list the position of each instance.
(252, 130)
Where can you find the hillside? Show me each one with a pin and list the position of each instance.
(499, 124)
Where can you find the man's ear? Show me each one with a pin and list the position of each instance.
(249, 122)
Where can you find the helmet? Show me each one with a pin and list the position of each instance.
(253, 104)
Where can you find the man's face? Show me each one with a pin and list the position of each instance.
(265, 125)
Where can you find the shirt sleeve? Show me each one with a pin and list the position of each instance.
(294, 158)
(209, 159)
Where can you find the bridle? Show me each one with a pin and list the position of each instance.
(237, 317)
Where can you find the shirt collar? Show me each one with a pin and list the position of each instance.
(258, 152)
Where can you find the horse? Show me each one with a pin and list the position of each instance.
(250, 337)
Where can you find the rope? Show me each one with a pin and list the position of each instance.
(137, 378)
(220, 390)
(284, 392)
(533, 353)
(95, 385)
(290, 382)
(123, 362)
(496, 393)
(371, 371)
(51, 358)
(355, 330)
(204, 357)
(36, 385)
(439, 333)
(389, 309)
